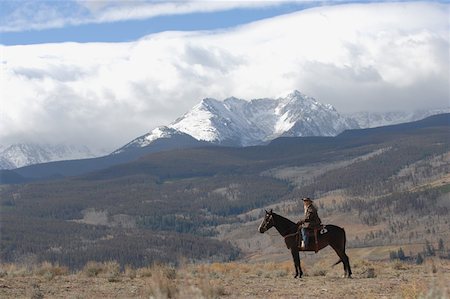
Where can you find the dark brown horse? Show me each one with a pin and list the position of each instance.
(330, 235)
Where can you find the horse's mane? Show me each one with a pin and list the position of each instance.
(284, 219)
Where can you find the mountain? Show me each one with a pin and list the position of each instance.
(237, 122)
(23, 154)
(159, 134)
(379, 119)
(58, 169)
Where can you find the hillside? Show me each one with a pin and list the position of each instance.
(205, 203)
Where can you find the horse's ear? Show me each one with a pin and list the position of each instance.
(266, 212)
(270, 211)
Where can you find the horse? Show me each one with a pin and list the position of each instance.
(329, 235)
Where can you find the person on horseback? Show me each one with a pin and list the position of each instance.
(310, 221)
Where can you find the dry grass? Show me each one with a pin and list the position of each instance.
(228, 280)
(45, 269)
(130, 272)
(92, 269)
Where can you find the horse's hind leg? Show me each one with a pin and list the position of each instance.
(296, 258)
(345, 260)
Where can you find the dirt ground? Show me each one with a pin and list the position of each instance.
(231, 280)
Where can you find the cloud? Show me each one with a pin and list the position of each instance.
(375, 57)
(39, 15)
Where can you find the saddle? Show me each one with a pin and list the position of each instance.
(313, 237)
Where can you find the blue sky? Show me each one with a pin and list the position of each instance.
(83, 24)
(84, 66)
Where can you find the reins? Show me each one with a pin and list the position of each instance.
(291, 235)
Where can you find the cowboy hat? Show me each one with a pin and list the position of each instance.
(306, 199)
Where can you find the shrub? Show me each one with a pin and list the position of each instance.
(130, 272)
(370, 273)
(400, 266)
(319, 272)
(36, 292)
(112, 271)
(49, 271)
(210, 289)
(92, 269)
(144, 272)
(163, 282)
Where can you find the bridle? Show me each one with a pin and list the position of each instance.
(271, 221)
(266, 223)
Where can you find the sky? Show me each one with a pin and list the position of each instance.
(101, 73)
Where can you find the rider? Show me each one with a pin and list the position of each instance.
(311, 220)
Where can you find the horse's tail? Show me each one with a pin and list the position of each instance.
(344, 243)
(340, 261)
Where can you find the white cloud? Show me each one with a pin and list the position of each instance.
(37, 15)
(357, 57)
(136, 10)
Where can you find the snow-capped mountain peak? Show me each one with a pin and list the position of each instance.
(159, 132)
(162, 132)
(235, 121)
(23, 154)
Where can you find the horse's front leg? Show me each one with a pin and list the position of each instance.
(296, 258)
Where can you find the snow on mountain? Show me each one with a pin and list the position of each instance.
(159, 133)
(18, 155)
(219, 122)
(310, 118)
(238, 122)
(379, 119)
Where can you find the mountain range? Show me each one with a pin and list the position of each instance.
(238, 122)
(231, 122)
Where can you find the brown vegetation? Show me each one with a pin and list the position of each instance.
(227, 280)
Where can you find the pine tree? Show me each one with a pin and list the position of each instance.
(393, 255)
(441, 246)
(401, 254)
(419, 259)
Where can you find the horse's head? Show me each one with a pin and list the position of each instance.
(267, 222)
